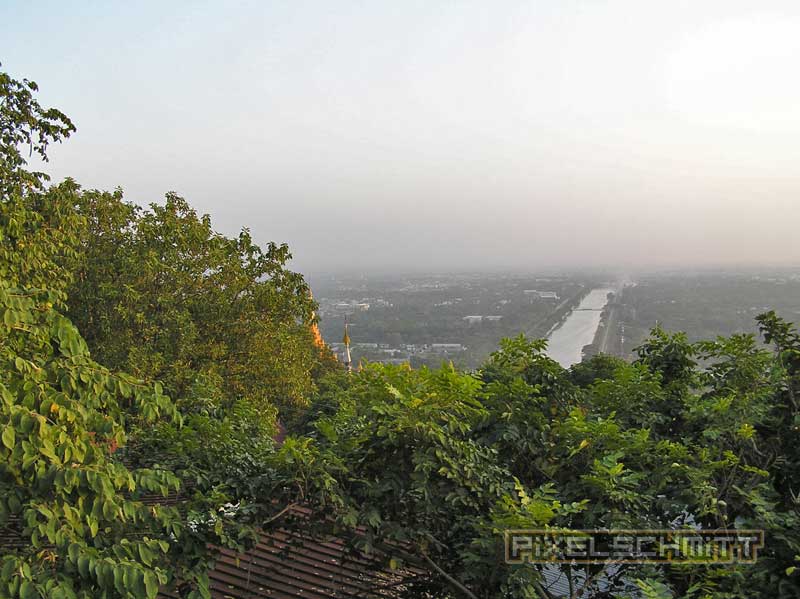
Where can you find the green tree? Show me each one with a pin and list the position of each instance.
(68, 492)
(223, 324)
(24, 123)
(409, 472)
(62, 415)
(445, 461)
(162, 295)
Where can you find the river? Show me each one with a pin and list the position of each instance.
(566, 343)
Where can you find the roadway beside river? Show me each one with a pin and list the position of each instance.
(608, 339)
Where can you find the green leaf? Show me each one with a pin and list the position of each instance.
(119, 581)
(135, 582)
(74, 552)
(150, 584)
(27, 590)
(83, 566)
(146, 554)
(9, 437)
(93, 526)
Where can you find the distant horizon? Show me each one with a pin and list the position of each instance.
(754, 269)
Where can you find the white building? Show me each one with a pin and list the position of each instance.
(447, 347)
(551, 295)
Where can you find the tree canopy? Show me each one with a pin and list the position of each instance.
(162, 296)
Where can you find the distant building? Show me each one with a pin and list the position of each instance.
(492, 318)
(447, 347)
(549, 295)
(473, 319)
(394, 361)
(349, 307)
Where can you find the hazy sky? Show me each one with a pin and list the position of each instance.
(431, 134)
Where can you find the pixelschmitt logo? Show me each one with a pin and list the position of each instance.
(599, 546)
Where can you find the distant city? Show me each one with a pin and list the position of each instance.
(428, 319)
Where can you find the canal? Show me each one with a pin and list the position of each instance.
(565, 344)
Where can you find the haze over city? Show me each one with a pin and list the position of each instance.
(421, 135)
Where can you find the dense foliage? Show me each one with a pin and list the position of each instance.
(94, 461)
(84, 531)
(160, 294)
(443, 461)
(144, 359)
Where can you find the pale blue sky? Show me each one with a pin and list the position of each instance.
(439, 134)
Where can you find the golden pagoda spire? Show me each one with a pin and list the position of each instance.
(348, 362)
(315, 334)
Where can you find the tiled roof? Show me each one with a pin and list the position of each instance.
(286, 565)
(11, 534)
(292, 563)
